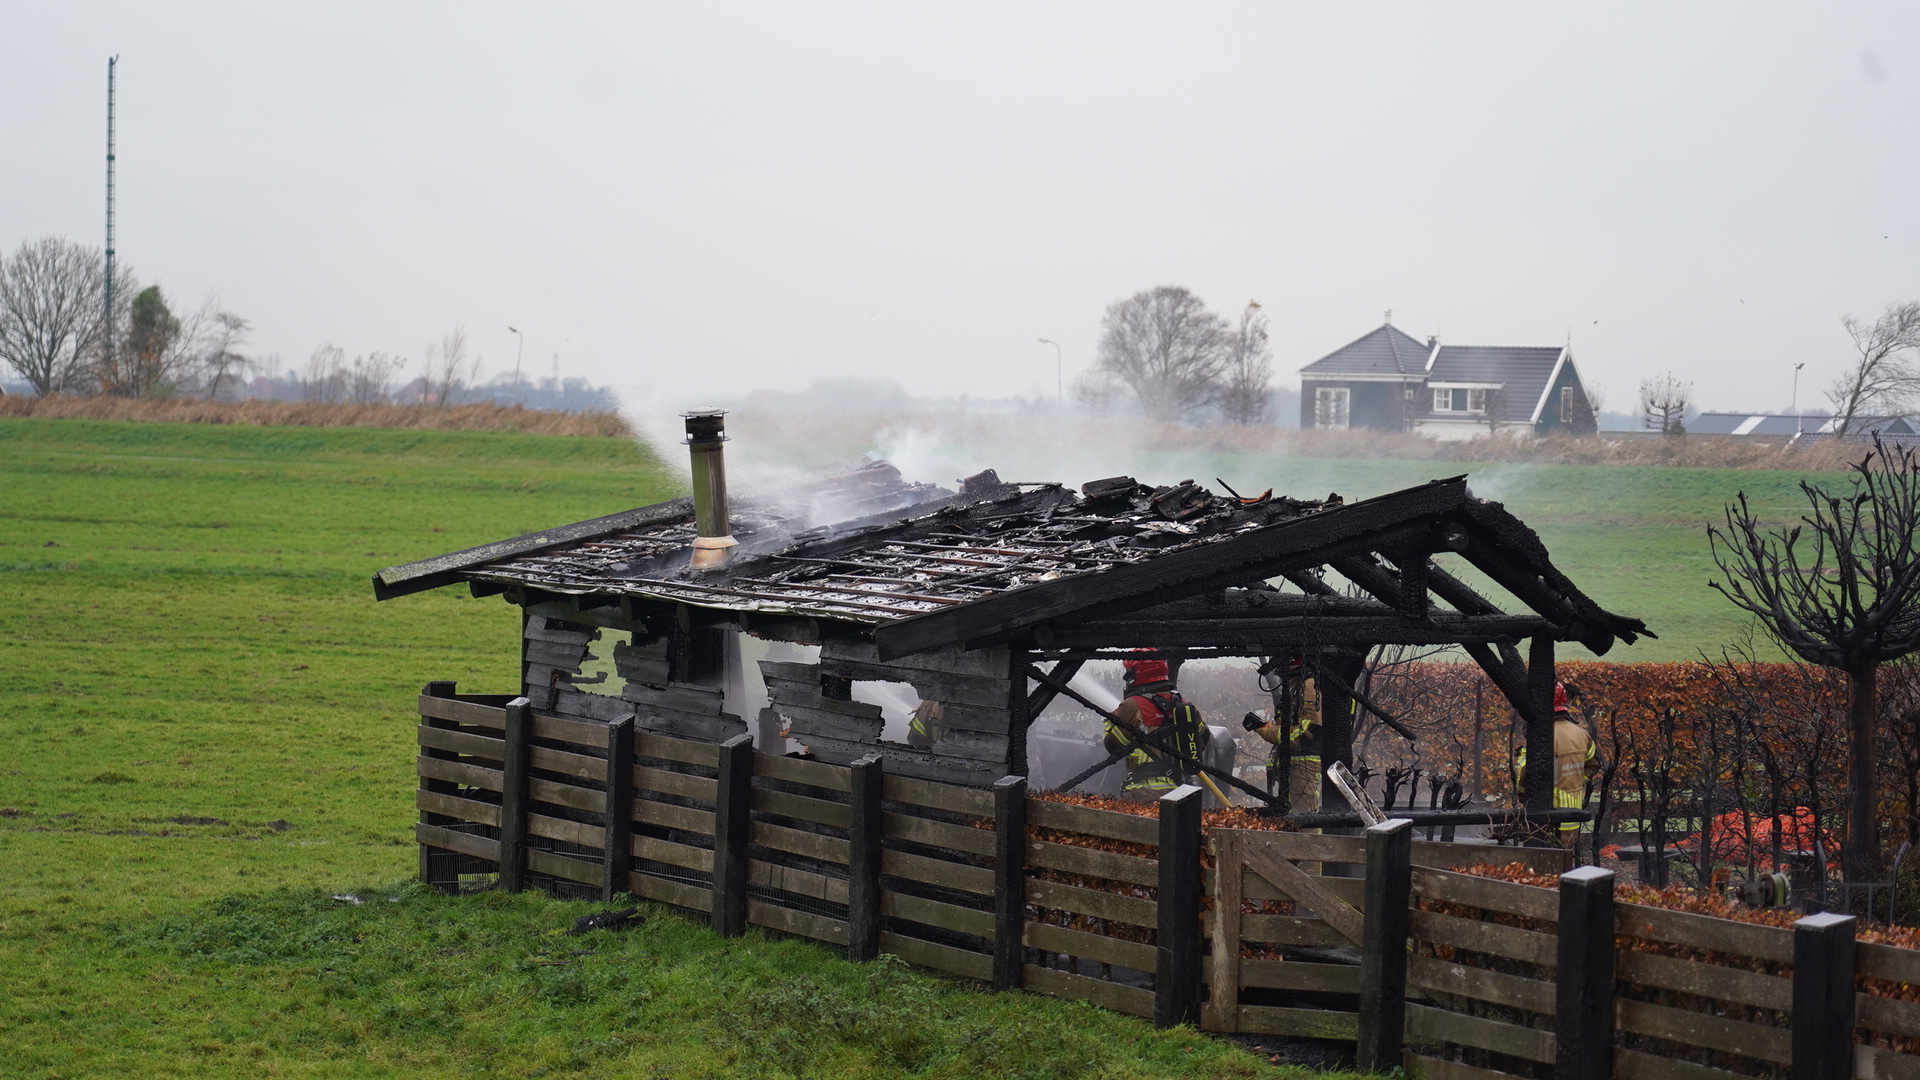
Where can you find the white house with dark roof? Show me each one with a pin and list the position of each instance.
(1388, 380)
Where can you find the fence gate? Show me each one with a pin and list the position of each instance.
(1270, 898)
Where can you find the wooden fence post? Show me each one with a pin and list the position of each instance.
(1223, 993)
(1823, 997)
(1176, 981)
(619, 836)
(1583, 1023)
(513, 795)
(1383, 946)
(438, 867)
(1009, 880)
(863, 862)
(732, 835)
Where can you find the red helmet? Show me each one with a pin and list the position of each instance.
(1146, 672)
(1559, 697)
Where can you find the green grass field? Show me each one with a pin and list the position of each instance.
(209, 733)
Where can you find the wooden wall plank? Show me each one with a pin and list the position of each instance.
(462, 742)
(960, 800)
(1300, 975)
(1480, 984)
(1061, 984)
(491, 717)
(674, 817)
(1640, 1065)
(579, 798)
(479, 847)
(1706, 979)
(801, 923)
(655, 849)
(668, 782)
(1701, 1029)
(1107, 950)
(1705, 932)
(952, 875)
(799, 882)
(1133, 828)
(802, 771)
(1508, 941)
(934, 913)
(649, 744)
(831, 849)
(1306, 1023)
(1094, 863)
(1421, 1067)
(576, 766)
(1440, 1026)
(572, 832)
(1289, 930)
(453, 806)
(939, 834)
(927, 954)
(1100, 905)
(1879, 961)
(1488, 893)
(562, 866)
(459, 772)
(678, 893)
(578, 732)
(787, 805)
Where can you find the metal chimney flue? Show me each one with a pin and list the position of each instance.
(713, 543)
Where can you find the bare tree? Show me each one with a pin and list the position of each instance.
(1664, 404)
(1246, 391)
(1885, 375)
(218, 362)
(325, 380)
(1849, 600)
(50, 311)
(369, 379)
(1165, 346)
(449, 371)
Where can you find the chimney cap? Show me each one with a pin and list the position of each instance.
(706, 425)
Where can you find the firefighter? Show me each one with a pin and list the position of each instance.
(1297, 709)
(924, 729)
(1575, 758)
(1153, 704)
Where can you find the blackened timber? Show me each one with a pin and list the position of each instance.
(1383, 954)
(1043, 696)
(732, 836)
(1176, 983)
(863, 863)
(1268, 551)
(1511, 683)
(413, 577)
(1009, 880)
(1583, 1020)
(1538, 784)
(618, 848)
(1331, 630)
(513, 794)
(1515, 539)
(1529, 586)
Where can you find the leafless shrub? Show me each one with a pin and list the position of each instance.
(1665, 402)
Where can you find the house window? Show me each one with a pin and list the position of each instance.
(1459, 400)
(1566, 404)
(1330, 406)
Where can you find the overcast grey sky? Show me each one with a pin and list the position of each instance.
(701, 198)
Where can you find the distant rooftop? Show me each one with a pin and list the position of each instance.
(1385, 351)
(1787, 426)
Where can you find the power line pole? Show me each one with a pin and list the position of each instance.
(107, 320)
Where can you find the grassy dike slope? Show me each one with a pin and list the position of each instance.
(208, 735)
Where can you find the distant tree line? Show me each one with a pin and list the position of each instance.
(58, 337)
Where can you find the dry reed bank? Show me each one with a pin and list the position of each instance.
(511, 418)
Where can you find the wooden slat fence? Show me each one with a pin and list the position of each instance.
(1475, 979)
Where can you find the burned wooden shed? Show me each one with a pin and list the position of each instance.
(707, 616)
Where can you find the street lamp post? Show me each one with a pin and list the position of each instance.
(517, 353)
(1059, 376)
(1798, 426)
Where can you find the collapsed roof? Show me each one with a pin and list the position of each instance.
(1118, 564)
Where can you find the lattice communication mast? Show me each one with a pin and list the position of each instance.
(107, 314)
